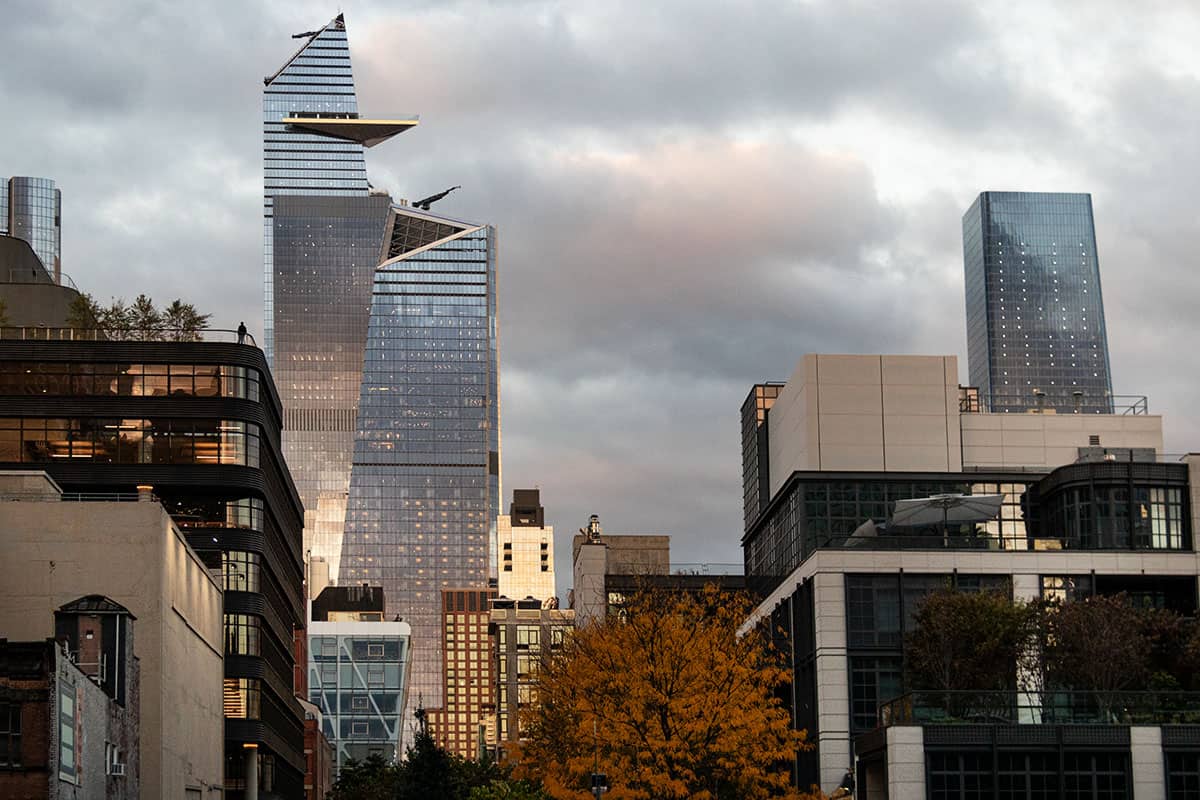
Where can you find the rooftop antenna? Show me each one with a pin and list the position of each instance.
(426, 202)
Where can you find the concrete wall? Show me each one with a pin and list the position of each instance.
(906, 763)
(54, 552)
(1146, 757)
(866, 413)
(833, 682)
(1050, 440)
(900, 414)
(37, 304)
(589, 597)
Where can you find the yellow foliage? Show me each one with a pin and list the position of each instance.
(669, 703)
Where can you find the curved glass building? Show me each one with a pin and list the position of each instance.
(31, 210)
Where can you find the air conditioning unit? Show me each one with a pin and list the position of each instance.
(116, 769)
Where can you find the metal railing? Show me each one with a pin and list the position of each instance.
(77, 497)
(707, 568)
(972, 401)
(1015, 707)
(45, 334)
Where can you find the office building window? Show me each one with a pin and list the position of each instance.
(108, 379)
(960, 776)
(1027, 776)
(1183, 776)
(873, 680)
(243, 635)
(240, 571)
(1095, 776)
(243, 698)
(160, 440)
(10, 735)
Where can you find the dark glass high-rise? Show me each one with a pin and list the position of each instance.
(1036, 336)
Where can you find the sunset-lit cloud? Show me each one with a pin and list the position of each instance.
(688, 195)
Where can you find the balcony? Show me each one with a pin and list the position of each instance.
(1041, 708)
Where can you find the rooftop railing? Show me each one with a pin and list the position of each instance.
(77, 497)
(1041, 708)
(707, 568)
(40, 277)
(972, 401)
(44, 334)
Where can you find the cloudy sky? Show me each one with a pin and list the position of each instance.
(689, 194)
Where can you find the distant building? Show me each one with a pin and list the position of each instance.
(380, 323)
(1035, 316)
(467, 672)
(31, 210)
(608, 568)
(348, 604)
(887, 481)
(525, 544)
(55, 546)
(33, 288)
(69, 708)
(320, 756)
(523, 632)
(358, 672)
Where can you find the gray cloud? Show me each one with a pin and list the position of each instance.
(689, 196)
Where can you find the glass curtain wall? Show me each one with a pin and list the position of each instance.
(317, 79)
(1035, 318)
(425, 487)
(326, 252)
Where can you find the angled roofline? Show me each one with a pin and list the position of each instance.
(338, 22)
(367, 132)
(457, 234)
(432, 217)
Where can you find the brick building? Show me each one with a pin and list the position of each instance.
(69, 708)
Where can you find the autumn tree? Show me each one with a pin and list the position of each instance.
(666, 700)
(970, 641)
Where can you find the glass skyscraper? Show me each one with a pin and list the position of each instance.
(382, 320)
(1035, 316)
(318, 267)
(317, 79)
(31, 210)
(425, 486)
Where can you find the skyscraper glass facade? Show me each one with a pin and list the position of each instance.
(325, 253)
(31, 210)
(317, 79)
(1035, 317)
(425, 487)
(381, 323)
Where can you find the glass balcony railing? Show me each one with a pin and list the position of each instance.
(1041, 708)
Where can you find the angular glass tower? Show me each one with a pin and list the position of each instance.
(318, 266)
(1035, 317)
(381, 322)
(425, 486)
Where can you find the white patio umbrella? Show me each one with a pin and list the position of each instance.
(947, 509)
